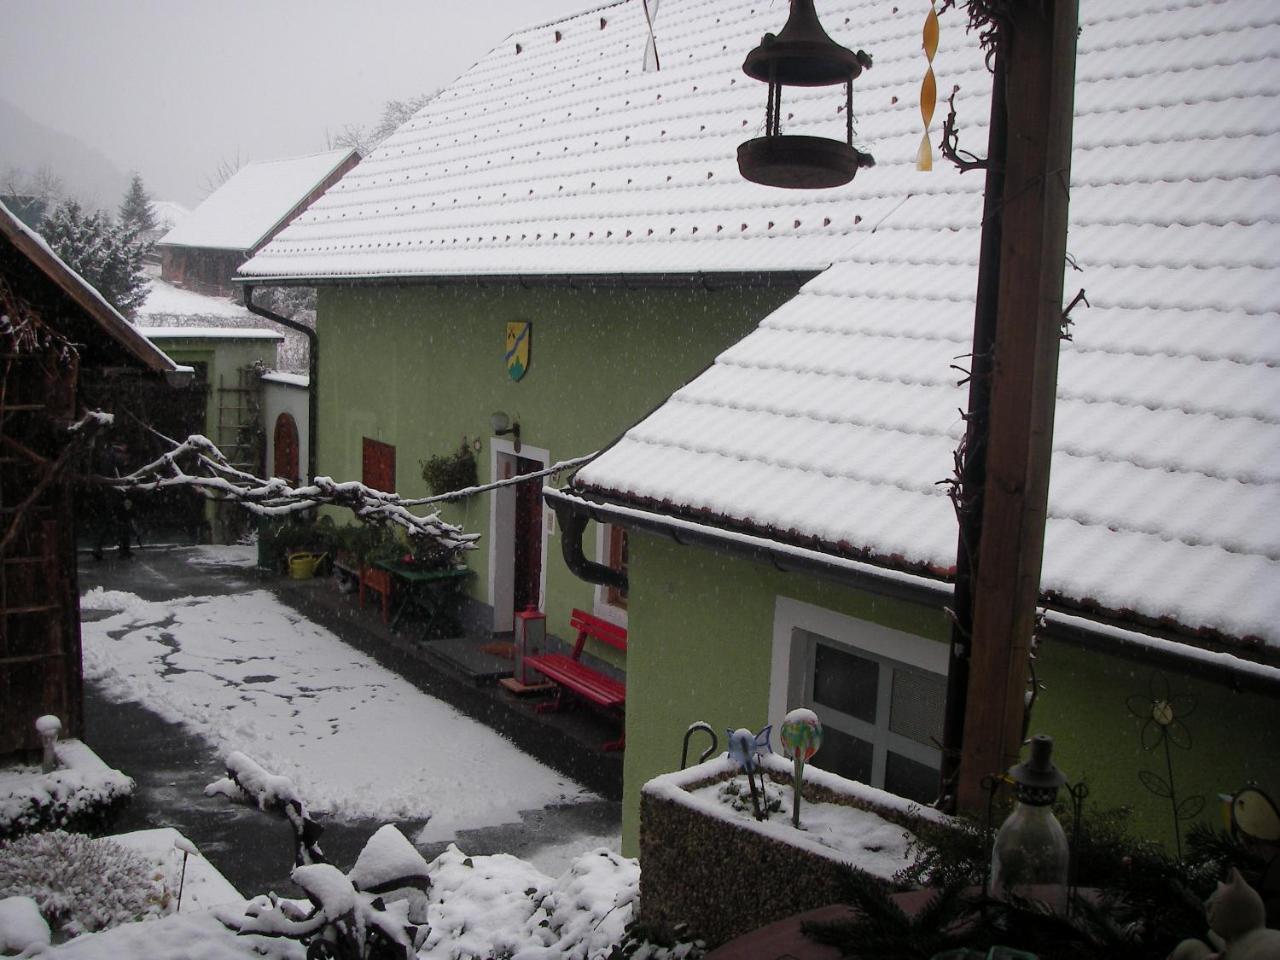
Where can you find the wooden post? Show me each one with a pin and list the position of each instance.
(1040, 87)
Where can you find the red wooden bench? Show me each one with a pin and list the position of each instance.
(371, 578)
(570, 673)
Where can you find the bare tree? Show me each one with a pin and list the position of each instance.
(395, 114)
(226, 169)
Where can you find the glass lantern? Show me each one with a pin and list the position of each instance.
(1031, 857)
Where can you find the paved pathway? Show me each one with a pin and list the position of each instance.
(254, 849)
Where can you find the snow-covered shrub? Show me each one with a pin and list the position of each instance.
(81, 884)
(77, 799)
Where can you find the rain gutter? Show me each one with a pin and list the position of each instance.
(708, 280)
(313, 372)
(1220, 667)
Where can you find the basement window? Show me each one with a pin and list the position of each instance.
(879, 693)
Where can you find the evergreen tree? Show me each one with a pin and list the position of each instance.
(136, 212)
(107, 255)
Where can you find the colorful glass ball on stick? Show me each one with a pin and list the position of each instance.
(801, 736)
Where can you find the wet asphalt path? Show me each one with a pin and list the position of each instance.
(172, 766)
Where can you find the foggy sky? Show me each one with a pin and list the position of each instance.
(170, 87)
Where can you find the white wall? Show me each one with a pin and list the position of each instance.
(278, 398)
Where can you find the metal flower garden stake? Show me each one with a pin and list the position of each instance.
(744, 747)
(801, 737)
(1164, 714)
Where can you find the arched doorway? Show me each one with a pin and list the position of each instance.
(286, 448)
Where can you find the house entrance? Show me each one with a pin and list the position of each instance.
(528, 538)
(517, 538)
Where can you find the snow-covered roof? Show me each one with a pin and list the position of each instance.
(287, 379)
(33, 246)
(166, 300)
(244, 211)
(210, 333)
(169, 213)
(833, 421)
(558, 153)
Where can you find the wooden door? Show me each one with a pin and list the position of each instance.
(286, 448)
(378, 466)
(528, 538)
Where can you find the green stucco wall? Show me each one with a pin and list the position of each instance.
(1235, 737)
(699, 646)
(224, 357)
(701, 633)
(422, 367)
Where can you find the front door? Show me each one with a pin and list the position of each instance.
(528, 538)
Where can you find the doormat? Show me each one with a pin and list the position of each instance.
(503, 650)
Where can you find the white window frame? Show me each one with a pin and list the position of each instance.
(792, 664)
(601, 606)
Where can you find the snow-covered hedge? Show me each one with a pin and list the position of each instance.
(81, 884)
(83, 796)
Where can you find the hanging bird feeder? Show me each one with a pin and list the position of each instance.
(802, 55)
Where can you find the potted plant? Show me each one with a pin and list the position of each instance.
(445, 473)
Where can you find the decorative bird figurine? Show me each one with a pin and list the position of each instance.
(744, 747)
(1254, 822)
(1254, 817)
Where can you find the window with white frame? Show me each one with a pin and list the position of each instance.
(612, 552)
(878, 692)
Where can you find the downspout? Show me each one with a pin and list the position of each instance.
(313, 371)
(572, 526)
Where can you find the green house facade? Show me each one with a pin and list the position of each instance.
(420, 369)
(727, 638)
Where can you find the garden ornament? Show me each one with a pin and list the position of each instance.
(1030, 856)
(1163, 714)
(744, 747)
(695, 727)
(187, 848)
(48, 727)
(1236, 926)
(801, 736)
(1254, 817)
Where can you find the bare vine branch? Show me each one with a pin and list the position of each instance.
(1066, 314)
(963, 160)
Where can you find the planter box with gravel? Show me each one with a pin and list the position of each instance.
(708, 865)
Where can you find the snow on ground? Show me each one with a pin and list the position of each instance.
(203, 886)
(226, 555)
(180, 936)
(555, 858)
(21, 926)
(501, 905)
(250, 674)
(477, 907)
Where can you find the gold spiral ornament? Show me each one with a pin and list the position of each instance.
(928, 89)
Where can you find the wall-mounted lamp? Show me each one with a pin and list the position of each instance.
(502, 425)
